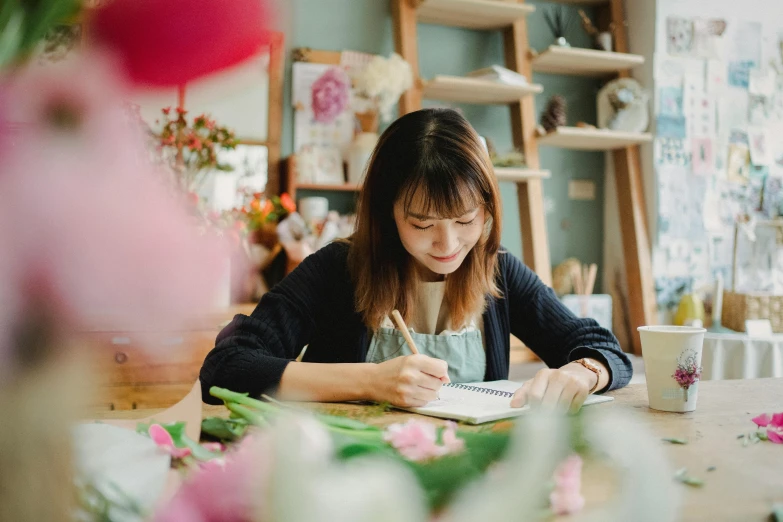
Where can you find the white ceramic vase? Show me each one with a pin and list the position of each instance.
(359, 153)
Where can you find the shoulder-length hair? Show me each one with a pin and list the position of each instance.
(435, 158)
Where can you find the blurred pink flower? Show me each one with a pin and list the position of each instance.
(86, 224)
(567, 498)
(418, 440)
(330, 95)
(172, 42)
(223, 490)
(775, 436)
(774, 425)
(163, 439)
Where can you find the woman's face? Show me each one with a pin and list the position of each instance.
(438, 244)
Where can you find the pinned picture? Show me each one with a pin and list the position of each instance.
(703, 156)
(760, 153)
(707, 38)
(738, 163)
(671, 121)
(672, 152)
(679, 36)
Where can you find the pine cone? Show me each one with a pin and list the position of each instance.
(555, 113)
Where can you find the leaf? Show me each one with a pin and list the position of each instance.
(681, 475)
(674, 440)
(711, 468)
(345, 423)
(224, 429)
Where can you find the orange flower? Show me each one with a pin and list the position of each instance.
(268, 207)
(255, 204)
(287, 202)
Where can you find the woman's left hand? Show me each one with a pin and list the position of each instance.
(565, 388)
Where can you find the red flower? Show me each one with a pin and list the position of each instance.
(172, 42)
(167, 110)
(287, 202)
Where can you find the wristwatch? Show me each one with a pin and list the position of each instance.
(593, 367)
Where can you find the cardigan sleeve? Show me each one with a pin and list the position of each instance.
(557, 336)
(251, 353)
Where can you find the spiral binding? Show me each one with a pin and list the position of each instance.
(488, 391)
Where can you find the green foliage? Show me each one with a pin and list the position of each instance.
(24, 23)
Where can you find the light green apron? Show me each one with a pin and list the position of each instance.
(463, 351)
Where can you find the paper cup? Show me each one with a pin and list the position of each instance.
(672, 366)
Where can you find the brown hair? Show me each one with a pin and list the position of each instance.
(436, 156)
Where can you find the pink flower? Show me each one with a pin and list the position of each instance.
(566, 498)
(222, 490)
(330, 95)
(163, 439)
(762, 420)
(418, 440)
(88, 227)
(777, 420)
(172, 42)
(775, 436)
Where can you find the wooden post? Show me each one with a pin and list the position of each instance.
(633, 214)
(404, 16)
(275, 112)
(530, 193)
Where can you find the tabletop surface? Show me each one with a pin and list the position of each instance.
(746, 481)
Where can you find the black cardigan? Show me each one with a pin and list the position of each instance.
(315, 305)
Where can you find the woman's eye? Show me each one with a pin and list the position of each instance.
(417, 227)
(466, 223)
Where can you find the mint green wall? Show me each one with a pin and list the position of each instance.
(575, 228)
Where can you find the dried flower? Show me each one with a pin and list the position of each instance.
(688, 372)
(330, 94)
(418, 440)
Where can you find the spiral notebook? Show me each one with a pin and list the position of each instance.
(476, 403)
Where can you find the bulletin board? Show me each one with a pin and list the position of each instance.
(719, 134)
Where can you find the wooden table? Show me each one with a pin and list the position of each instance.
(747, 479)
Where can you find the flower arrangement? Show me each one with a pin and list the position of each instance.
(688, 372)
(191, 148)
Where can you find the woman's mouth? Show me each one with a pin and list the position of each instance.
(446, 259)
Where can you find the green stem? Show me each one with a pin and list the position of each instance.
(247, 414)
(240, 398)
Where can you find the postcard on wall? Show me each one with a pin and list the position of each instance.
(679, 36)
(702, 117)
(746, 44)
(308, 131)
(708, 38)
(760, 153)
(772, 203)
(739, 73)
(738, 163)
(703, 155)
(672, 152)
(715, 77)
(671, 119)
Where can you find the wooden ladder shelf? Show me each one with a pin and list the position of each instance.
(510, 18)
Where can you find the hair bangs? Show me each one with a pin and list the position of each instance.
(437, 191)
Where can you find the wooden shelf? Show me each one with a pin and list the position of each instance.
(593, 139)
(584, 62)
(347, 187)
(519, 174)
(472, 90)
(472, 14)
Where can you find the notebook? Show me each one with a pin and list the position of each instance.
(476, 403)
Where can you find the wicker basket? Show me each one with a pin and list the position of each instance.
(739, 307)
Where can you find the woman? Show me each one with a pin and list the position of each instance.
(427, 243)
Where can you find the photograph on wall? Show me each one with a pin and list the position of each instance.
(679, 36)
(671, 119)
(703, 156)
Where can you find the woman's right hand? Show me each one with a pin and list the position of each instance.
(409, 381)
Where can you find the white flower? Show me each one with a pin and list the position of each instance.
(383, 81)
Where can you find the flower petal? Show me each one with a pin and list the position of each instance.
(160, 436)
(762, 420)
(774, 436)
(777, 420)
